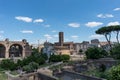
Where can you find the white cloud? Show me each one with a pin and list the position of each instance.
(22, 18)
(74, 36)
(75, 25)
(116, 9)
(17, 40)
(1, 37)
(27, 31)
(55, 36)
(109, 15)
(1, 31)
(67, 40)
(93, 24)
(46, 25)
(54, 31)
(38, 21)
(41, 41)
(113, 23)
(51, 37)
(113, 39)
(96, 36)
(48, 36)
(105, 15)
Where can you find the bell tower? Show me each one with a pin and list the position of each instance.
(61, 38)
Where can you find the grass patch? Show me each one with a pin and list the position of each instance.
(45, 65)
(96, 73)
(3, 76)
(56, 67)
(1, 70)
(14, 73)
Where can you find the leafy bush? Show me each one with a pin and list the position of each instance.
(65, 57)
(58, 58)
(44, 55)
(36, 57)
(114, 73)
(34, 65)
(95, 53)
(31, 67)
(8, 64)
(35, 60)
(102, 68)
(115, 52)
(55, 58)
(27, 68)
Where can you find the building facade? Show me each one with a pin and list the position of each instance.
(60, 47)
(72, 48)
(48, 48)
(10, 49)
(81, 46)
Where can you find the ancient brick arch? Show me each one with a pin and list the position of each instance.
(2, 51)
(15, 48)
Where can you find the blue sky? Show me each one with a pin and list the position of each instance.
(42, 19)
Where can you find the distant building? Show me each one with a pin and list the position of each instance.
(48, 48)
(95, 43)
(60, 47)
(13, 49)
(72, 48)
(81, 46)
(105, 45)
(40, 47)
(85, 45)
(77, 47)
(34, 45)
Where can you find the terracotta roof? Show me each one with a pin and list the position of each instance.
(103, 43)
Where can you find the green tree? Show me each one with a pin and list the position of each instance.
(55, 58)
(102, 68)
(58, 58)
(35, 50)
(8, 64)
(27, 68)
(95, 53)
(31, 67)
(44, 55)
(36, 57)
(65, 57)
(106, 31)
(116, 28)
(116, 51)
(40, 61)
(20, 63)
(114, 73)
(34, 65)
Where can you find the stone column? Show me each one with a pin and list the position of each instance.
(36, 77)
(23, 53)
(7, 52)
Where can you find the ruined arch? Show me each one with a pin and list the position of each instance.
(2, 51)
(15, 50)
